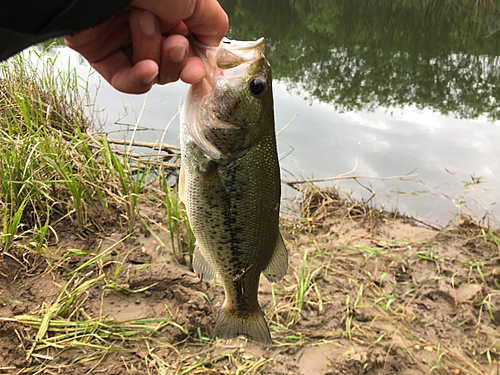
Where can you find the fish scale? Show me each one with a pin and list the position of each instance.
(232, 200)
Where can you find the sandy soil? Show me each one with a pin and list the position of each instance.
(387, 296)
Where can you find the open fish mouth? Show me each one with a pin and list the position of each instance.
(229, 61)
(215, 108)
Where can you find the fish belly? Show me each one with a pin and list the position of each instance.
(234, 214)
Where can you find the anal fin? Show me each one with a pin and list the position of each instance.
(201, 265)
(278, 266)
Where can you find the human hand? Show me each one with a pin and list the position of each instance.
(147, 42)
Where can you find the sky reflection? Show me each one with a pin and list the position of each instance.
(321, 142)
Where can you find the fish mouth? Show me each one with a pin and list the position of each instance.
(229, 64)
(229, 61)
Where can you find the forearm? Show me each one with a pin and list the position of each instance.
(27, 22)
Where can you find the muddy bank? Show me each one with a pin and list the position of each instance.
(364, 295)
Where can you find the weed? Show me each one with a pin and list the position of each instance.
(490, 236)
(303, 284)
(178, 224)
(428, 254)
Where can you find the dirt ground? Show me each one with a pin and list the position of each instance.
(380, 296)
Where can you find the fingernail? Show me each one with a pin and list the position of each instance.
(149, 79)
(177, 54)
(147, 22)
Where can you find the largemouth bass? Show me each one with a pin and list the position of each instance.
(230, 182)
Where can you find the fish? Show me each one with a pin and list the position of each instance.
(230, 182)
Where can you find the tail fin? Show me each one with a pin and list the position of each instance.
(252, 326)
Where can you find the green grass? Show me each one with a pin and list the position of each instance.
(53, 173)
(55, 177)
(48, 171)
(304, 281)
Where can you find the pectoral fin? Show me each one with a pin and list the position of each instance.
(201, 265)
(278, 266)
(182, 185)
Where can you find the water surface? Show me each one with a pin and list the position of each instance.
(394, 87)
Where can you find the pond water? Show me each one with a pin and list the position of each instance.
(393, 87)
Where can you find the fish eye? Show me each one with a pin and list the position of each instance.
(257, 86)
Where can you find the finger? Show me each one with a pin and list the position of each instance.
(208, 22)
(174, 58)
(174, 28)
(146, 36)
(194, 70)
(97, 43)
(125, 77)
(205, 18)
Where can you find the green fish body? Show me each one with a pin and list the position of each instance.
(230, 182)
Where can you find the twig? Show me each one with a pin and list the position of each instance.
(344, 177)
(426, 224)
(289, 122)
(144, 158)
(160, 146)
(148, 157)
(165, 164)
(351, 171)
